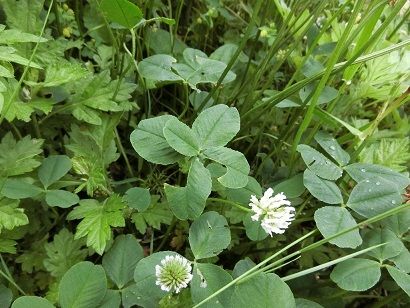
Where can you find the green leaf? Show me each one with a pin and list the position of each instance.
(356, 274)
(149, 142)
(207, 279)
(319, 164)
(392, 153)
(402, 260)
(292, 188)
(332, 147)
(32, 302)
(19, 189)
(328, 94)
(83, 286)
(95, 94)
(97, 220)
(198, 68)
(254, 230)
(243, 195)
(236, 164)
(158, 68)
(209, 235)
(189, 201)
(305, 303)
(19, 157)
(31, 10)
(62, 253)
(137, 198)
(323, 190)
(6, 296)
(332, 220)
(93, 151)
(398, 223)
(10, 215)
(216, 126)
(9, 54)
(401, 278)
(374, 196)
(12, 36)
(61, 198)
(53, 168)
(60, 73)
(112, 299)
(154, 216)
(122, 12)
(360, 172)
(393, 246)
(120, 261)
(262, 290)
(181, 138)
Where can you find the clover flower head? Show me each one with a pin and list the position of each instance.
(174, 273)
(274, 213)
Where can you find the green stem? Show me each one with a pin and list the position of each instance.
(124, 155)
(245, 209)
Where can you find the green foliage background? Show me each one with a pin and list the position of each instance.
(133, 130)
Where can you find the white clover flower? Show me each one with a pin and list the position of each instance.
(174, 273)
(274, 213)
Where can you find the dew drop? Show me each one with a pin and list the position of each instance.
(370, 189)
(393, 201)
(332, 147)
(326, 162)
(377, 183)
(363, 170)
(367, 181)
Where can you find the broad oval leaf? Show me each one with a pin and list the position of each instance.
(360, 172)
(137, 198)
(53, 168)
(393, 247)
(216, 126)
(19, 189)
(292, 188)
(236, 164)
(61, 198)
(331, 220)
(305, 303)
(262, 290)
(189, 201)
(31, 302)
(207, 279)
(356, 274)
(112, 299)
(209, 235)
(120, 261)
(332, 147)
(83, 286)
(401, 278)
(181, 138)
(319, 164)
(122, 12)
(254, 230)
(158, 68)
(323, 190)
(149, 142)
(374, 196)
